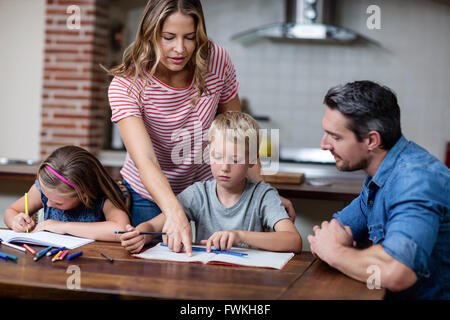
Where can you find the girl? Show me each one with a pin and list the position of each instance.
(171, 84)
(78, 197)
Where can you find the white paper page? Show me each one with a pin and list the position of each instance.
(44, 238)
(255, 258)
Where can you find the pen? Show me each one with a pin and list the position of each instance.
(13, 246)
(42, 253)
(154, 233)
(26, 205)
(200, 249)
(76, 254)
(107, 257)
(30, 250)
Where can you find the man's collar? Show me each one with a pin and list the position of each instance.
(386, 166)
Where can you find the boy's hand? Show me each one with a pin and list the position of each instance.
(222, 240)
(51, 225)
(21, 222)
(132, 241)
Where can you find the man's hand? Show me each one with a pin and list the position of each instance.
(328, 238)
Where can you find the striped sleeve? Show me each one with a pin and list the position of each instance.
(124, 99)
(226, 71)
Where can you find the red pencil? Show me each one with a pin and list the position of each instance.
(63, 254)
(30, 250)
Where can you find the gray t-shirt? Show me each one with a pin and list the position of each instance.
(258, 209)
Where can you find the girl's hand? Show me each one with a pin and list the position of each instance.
(132, 241)
(52, 226)
(21, 222)
(222, 240)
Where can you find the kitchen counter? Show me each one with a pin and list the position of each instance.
(322, 181)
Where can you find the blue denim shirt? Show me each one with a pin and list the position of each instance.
(405, 208)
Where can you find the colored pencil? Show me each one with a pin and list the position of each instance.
(26, 206)
(63, 254)
(55, 251)
(10, 256)
(73, 256)
(42, 253)
(13, 246)
(143, 232)
(107, 257)
(56, 256)
(30, 250)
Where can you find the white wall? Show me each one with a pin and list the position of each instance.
(21, 64)
(287, 81)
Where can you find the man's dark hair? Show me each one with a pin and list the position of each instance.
(368, 106)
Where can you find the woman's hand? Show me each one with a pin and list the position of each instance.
(21, 222)
(222, 240)
(178, 232)
(52, 226)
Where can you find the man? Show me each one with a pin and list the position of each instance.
(404, 206)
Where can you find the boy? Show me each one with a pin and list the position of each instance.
(230, 209)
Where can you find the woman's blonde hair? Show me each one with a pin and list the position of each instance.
(144, 53)
(88, 179)
(239, 127)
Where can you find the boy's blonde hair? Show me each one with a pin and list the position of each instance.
(237, 127)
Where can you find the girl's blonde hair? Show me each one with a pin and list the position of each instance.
(144, 53)
(237, 127)
(84, 171)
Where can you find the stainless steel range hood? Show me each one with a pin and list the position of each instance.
(306, 20)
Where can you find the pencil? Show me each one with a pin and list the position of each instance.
(154, 233)
(56, 256)
(26, 206)
(63, 254)
(12, 245)
(107, 257)
(30, 250)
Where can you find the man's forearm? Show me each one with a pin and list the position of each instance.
(357, 264)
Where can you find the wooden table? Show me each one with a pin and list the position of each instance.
(304, 277)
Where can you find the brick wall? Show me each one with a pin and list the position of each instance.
(74, 87)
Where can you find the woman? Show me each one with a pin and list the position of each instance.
(164, 96)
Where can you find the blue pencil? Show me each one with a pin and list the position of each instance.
(55, 251)
(42, 253)
(73, 256)
(154, 233)
(201, 249)
(7, 256)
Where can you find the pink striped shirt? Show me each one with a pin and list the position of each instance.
(177, 129)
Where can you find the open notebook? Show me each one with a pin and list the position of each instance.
(254, 258)
(44, 238)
